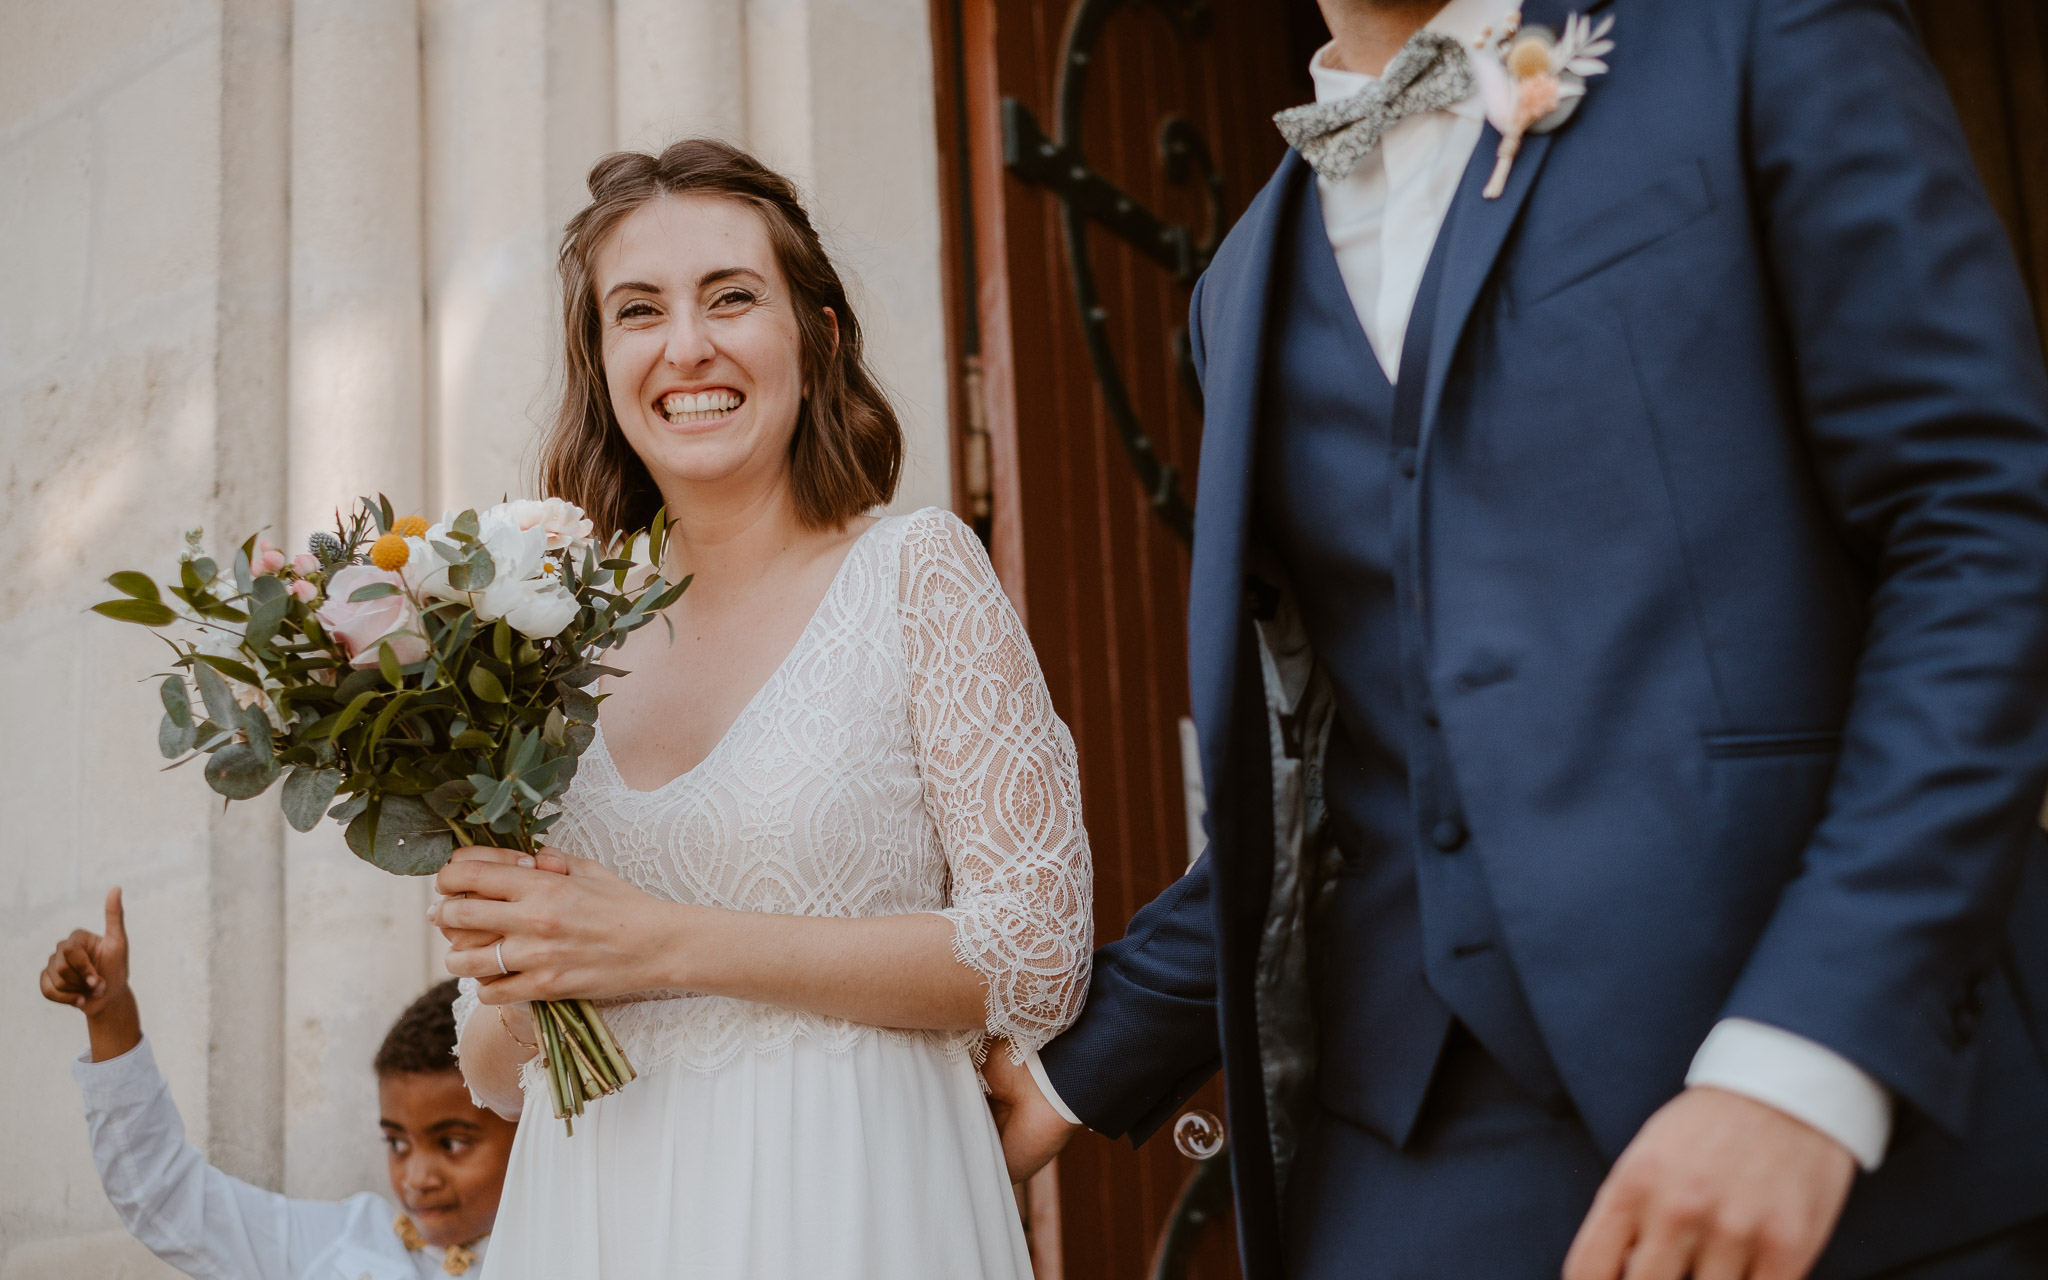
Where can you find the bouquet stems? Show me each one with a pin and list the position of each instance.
(582, 1060)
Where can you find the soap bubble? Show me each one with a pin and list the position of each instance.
(1198, 1134)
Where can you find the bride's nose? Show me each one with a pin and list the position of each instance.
(689, 343)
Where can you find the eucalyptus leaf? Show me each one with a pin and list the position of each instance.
(139, 585)
(174, 739)
(177, 700)
(498, 803)
(240, 772)
(400, 834)
(307, 793)
(347, 810)
(465, 525)
(221, 707)
(580, 706)
(375, 591)
(229, 667)
(270, 587)
(245, 581)
(350, 714)
(358, 682)
(148, 613)
(451, 797)
(257, 726)
(264, 620)
(485, 685)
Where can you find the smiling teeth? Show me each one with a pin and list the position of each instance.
(681, 406)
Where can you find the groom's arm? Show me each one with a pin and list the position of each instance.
(1919, 372)
(1915, 362)
(1147, 1038)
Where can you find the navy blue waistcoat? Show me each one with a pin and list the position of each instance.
(1409, 937)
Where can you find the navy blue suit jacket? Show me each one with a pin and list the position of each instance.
(1735, 494)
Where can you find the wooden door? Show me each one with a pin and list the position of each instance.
(1994, 56)
(1163, 137)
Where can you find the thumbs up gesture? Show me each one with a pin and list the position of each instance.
(90, 972)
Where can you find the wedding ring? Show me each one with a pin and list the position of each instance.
(499, 951)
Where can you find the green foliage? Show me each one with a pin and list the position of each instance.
(472, 745)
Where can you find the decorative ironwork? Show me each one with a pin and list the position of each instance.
(1086, 196)
(1204, 1202)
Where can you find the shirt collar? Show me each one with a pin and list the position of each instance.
(1465, 21)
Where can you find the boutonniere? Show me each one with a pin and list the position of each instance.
(1531, 80)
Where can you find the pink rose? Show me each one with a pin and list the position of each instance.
(303, 591)
(268, 559)
(362, 626)
(305, 564)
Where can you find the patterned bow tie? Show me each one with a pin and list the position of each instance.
(1431, 72)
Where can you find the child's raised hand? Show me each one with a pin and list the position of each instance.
(88, 970)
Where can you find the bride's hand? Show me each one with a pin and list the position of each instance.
(580, 932)
(548, 860)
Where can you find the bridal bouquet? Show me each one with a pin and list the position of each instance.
(425, 685)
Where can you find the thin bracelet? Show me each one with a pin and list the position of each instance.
(515, 1036)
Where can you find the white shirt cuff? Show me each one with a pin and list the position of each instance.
(1807, 1081)
(1037, 1070)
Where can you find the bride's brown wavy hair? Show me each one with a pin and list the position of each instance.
(847, 452)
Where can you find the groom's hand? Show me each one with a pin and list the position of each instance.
(1716, 1187)
(1032, 1132)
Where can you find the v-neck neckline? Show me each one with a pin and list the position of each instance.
(831, 590)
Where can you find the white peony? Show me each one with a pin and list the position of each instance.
(543, 609)
(525, 588)
(563, 521)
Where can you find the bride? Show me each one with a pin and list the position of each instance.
(827, 843)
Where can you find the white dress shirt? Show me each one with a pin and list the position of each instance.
(1382, 221)
(204, 1222)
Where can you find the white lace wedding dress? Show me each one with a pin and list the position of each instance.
(904, 758)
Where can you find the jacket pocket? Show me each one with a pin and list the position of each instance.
(1727, 746)
(1675, 200)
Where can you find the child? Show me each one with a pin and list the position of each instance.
(447, 1155)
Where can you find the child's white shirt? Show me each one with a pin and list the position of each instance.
(216, 1227)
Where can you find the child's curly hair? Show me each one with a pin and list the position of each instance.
(423, 1038)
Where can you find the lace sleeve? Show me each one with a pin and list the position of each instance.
(466, 1003)
(1001, 784)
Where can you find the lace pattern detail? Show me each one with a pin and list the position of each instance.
(904, 758)
(1002, 783)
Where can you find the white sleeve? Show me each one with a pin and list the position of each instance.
(1001, 784)
(467, 1002)
(187, 1212)
(1052, 1095)
(1807, 1081)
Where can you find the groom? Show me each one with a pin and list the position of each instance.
(1619, 640)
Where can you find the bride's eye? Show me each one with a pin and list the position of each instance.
(732, 298)
(635, 311)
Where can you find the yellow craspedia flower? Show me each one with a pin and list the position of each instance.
(410, 527)
(390, 552)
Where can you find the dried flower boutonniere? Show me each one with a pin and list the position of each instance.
(1531, 81)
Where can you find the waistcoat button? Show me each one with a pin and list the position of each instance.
(1448, 835)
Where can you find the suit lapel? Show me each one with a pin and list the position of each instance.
(1234, 306)
(1479, 227)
